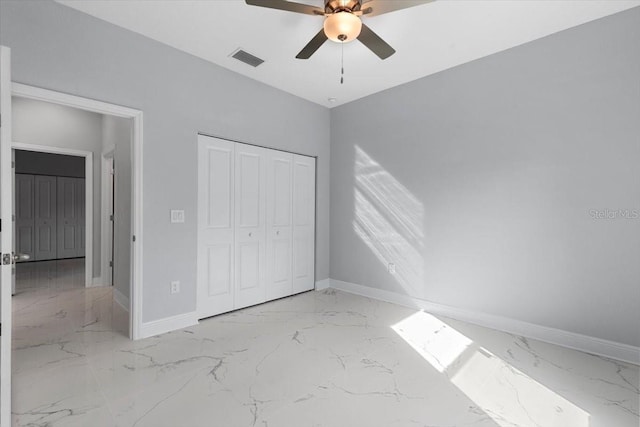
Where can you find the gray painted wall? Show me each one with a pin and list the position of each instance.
(34, 162)
(479, 183)
(116, 134)
(43, 123)
(61, 49)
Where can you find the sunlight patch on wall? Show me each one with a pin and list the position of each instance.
(389, 220)
(507, 395)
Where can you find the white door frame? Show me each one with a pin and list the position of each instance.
(106, 238)
(88, 217)
(32, 92)
(6, 237)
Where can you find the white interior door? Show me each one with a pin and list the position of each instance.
(279, 224)
(250, 237)
(304, 196)
(45, 204)
(6, 236)
(216, 272)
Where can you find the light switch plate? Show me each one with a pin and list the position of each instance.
(175, 287)
(177, 216)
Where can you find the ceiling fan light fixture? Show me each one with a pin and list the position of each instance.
(342, 27)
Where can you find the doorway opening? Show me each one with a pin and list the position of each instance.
(50, 199)
(68, 235)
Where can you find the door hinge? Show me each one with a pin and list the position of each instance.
(110, 263)
(13, 164)
(134, 238)
(110, 217)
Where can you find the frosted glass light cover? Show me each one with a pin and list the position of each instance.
(342, 27)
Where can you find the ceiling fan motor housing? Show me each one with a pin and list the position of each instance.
(333, 6)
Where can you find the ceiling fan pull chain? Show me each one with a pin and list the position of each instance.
(342, 64)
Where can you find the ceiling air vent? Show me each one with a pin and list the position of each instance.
(247, 58)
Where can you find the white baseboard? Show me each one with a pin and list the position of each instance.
(168, 324)
(95, 281)
(323, 284)
(587, 344)
(121, 299)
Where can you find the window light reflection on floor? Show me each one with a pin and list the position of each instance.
(506, 394)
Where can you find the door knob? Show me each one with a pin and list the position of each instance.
(21, 257)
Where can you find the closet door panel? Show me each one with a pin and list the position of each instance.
(25, 214)
(45, 217)
(304, 223)
(216, 267)
(250, 235)
(68, 219)
(81, 225)
(279, 224)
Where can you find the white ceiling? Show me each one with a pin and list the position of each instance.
(428, 38)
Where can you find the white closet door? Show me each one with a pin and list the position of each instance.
(45, 218)
(279, 224)
(304, 196)
(250, 225)
(215, 226)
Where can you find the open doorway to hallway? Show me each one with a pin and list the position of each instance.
(72, 198)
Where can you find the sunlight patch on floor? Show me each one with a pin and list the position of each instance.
(509, 396)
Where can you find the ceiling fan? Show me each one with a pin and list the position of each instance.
(343, 22)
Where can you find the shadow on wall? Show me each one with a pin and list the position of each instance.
(389, 220)
(507, 395)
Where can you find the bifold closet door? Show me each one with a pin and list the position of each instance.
(25, 214)
(45, 204)
(279, 224)
(216, 221)
(250, 237)
(68, 217)
(81, 207)
(304, 196)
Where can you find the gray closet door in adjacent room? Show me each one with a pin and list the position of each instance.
(45, 217)
(69, 218)
(25, 214)
(80, 233)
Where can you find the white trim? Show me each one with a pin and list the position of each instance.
(106, 238)
(88, 189)
(121, 299)
(87, 104)
(168, 324)
(587, 344)
(323, 284)
(97, 281)
(6, 238)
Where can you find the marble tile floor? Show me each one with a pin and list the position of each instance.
(326, 358)
(54, 275)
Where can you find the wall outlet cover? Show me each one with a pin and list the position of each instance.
(175, 287)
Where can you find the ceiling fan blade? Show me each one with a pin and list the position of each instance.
(373, 41)
(287, 5)
(378, 7)
(313, 45)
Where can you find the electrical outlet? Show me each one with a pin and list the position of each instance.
(175, 287)
(391, 268)
(177, 216)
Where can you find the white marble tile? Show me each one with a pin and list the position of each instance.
(326, 359)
